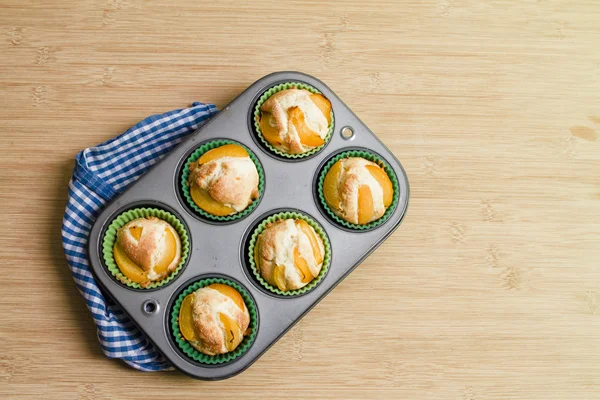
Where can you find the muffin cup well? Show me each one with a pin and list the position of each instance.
(256, 119)
(371, 157)
(198, 356)
(213, 144)
(255, 269)
(110, 238)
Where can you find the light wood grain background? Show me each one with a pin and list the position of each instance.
(490, 289)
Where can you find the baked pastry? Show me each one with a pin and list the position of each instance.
(289, 254)
(214, 319)
(295, 121)
(223, 180)
(147, 250)
(357, 190)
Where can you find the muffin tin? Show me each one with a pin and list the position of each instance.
(218, 249)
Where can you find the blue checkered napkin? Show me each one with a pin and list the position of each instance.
(100, 174)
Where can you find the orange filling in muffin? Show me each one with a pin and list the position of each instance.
(332, 190)
(202, 197)
(300, 263)
(295, 115)
(134, 272)
(232, 330)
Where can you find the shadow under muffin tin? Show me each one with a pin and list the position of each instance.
(219, 249)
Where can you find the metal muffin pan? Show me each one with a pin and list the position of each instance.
(219, 249)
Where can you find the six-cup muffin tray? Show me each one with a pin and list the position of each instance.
(219, 249)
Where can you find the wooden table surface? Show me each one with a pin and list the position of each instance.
(490, 289)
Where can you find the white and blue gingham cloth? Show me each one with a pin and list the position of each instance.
(100, 174)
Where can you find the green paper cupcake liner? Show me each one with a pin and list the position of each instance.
(371, 157)
(213, 144)
(110, 237)
(196, 355)
(271, 92)
(326, 258)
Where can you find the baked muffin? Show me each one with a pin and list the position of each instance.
(295, 121)
(214, 319)
(223, 180)
(147, 250)
(357, 190)
(289, 254)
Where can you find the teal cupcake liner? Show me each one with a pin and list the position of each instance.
(271, 92)
(196, 355)
(110, 238)
(213, 144)
(326, 257)
(371, 157)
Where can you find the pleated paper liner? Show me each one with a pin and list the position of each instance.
(256, 116)
(198, 356)
(110, 237)
(255, 269)
(213, 144)
(377, 160)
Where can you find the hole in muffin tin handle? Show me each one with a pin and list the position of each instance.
(150, 307)
(347, 133)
